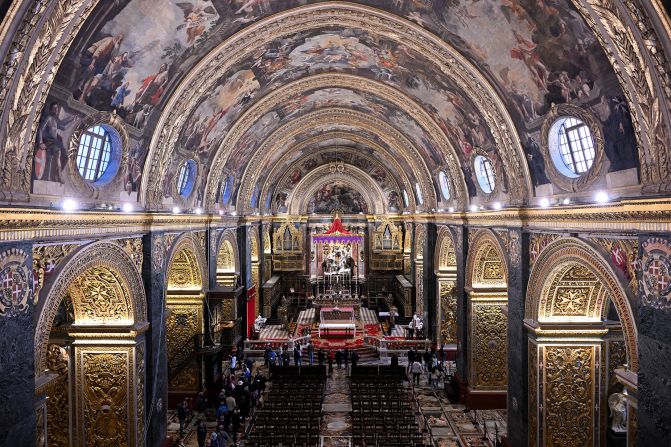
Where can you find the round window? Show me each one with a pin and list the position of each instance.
(186, 178)
(571, 146)
(484, 172)
(444, 185)
(99, 154)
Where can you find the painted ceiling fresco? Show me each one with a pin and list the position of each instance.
(337, 197)
(536, 53)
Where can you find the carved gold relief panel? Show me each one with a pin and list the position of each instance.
(101, 296)
(533, 394)
(58, 405)
(184, 272)
(574, 291)
(104, 378)
(448, 312)
(570, 381)
(45, 260)
(140, 378)
(185, 321)
(488, 350)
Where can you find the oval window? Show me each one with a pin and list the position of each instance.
(186, 178)
(99, 154)
(571, 146)
(484, 172)
(444, 185)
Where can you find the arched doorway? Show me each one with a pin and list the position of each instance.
(184, 321)
(90, 349)
(446, 278)
(487, 297)
(582, 339)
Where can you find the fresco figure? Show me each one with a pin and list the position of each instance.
(195, 18)
(50, 153)
(152, 87)
(95, 58)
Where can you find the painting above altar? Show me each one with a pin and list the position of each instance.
(337, 197)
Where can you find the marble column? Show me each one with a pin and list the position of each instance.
(518, 276)
(461, 250)
(156, 247)
(654, 341)
(17, 370)
(429, 277)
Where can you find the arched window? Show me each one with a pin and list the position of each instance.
(420, 198)
(576, 145)
(484, 172)
(98, 154)
(406, 201)
(444, 185)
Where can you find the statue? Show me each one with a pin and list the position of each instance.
(617, 402)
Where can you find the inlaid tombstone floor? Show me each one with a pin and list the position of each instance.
(336, 424)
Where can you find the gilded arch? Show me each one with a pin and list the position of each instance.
(227, 253)
(485, 264)
(556, 260)
(104, 262)
(445, 256)
(445, 262)
(186, 265)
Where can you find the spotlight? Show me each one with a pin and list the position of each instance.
(474, 208)
(69, 205)
(176, 210)
(451, 210)
(221, 212)
(566, 201)
(497, 205)
(127, 207)
(601, 197)
(111, 207)
(234, 213)
(545, 202)
(198, 211)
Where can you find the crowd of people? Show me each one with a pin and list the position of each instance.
(304, 353)
(431, 364)
(241, 394)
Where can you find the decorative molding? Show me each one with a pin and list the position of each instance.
(16, 282)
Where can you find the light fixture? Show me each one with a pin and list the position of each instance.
(474, 208)
(545, 202)
(198, 211)
(127, 207)
(234, 213)
(69, 205)
(451, 210)
(497, 205)
(111, 207)
(221, 212)
(601, 197)
(176, 210)
(482, 207)
(566, 201)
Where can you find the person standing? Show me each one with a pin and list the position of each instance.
(417, 370)
(338, 358)
(235, 423)
(345, 357)
(201, 433)
(311, 353)
(214, 442)
(355, 359)
(411, 358)
(394, 360)
(441, 355)
(181, 416)
(330, 356)
(297, 355)
(321, 357)
(222, 437)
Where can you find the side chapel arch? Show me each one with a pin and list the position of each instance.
(228, 264)
(570, 349)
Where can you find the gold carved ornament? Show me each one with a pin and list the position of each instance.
(447, 257)
(105, 386)
(45, 259)
(58, 405)
(490, 351)
(448, 312)
(102, 297)
(140, 380)
(569, 396)
(532, 403)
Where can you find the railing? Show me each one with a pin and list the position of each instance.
(255, 348)
(203, 344)
(399, 347)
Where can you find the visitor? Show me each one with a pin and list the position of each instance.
(234, 363)
(394, 360)
(214, 442)
(201, 433)
(230, 403)
(311, 353)
(338, 358)
(181, 416)
(355, 358)
(330, 357)
(411, 328)
(441, 355)
(286, 359)
(417, 370)
(345, 357)
(427, 359)
(433, 377)
(297, 354)
(201, 403)
(222, 437)
(266, 355)
(321, 357)
(222, 409)
(411, 358)
(235, 424)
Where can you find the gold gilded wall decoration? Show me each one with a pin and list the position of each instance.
(572, 291)
(41, 425)
(532, 403)
(537, 243)
(623, 256)
(101, 296)
(184, 272)
(16, 282)
(287, 238)
(58, 405)
(569, 387)
(140, 392)
(448, 312)
(489, 350)
(160, 248)
(184, 322)
(388, 237)
(103, 397)
(447, 258)
(133, 247)
(186, 379)
(45, 259)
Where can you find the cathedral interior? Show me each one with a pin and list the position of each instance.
(184, 182)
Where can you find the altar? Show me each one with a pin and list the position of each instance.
(335, 318)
